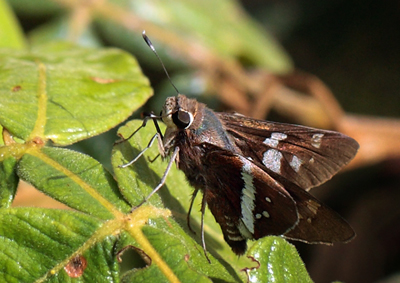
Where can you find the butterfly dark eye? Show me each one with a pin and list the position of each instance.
(182, 119)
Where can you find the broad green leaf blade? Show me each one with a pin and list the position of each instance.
(11, 34)
(74, 179)
(68, 93)
(35, 241)
(184, 255)
(138, 180)
(279, 262)
(174, 255)
(8, 181)
(102, 265)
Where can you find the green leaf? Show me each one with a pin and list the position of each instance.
(279, 262)
(74, 179)
(101, 228)
(180, 253)
(53, 238)
(36, 241)
(79, 181)
(68, 93)
(8, 181)
(11, 34)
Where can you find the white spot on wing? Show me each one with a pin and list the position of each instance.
(279, 136)
(247, 201)
(230, 224)
(316, 140)
(296, 163)
(267, 199)
(266, 214)
(235, 238)
(313, 206)
(244, 231)
(273, 141)
(272, 160)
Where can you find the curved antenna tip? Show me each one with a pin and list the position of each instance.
(150, 44)
(148, 41)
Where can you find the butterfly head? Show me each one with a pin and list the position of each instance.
(181, 113)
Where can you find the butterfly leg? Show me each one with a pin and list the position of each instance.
(203, 241)
(190, 210)
(145, 120)
(163, 178)
(142, 152)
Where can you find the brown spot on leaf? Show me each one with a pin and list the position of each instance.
(102, 80)
(16, 88)
(76, 266)
(38, 141)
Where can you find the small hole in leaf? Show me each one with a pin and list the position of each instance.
(131, 257)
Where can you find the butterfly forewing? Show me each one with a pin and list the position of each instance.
(305, 156)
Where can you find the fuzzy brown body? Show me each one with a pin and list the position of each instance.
(199, 154)
(254, 174)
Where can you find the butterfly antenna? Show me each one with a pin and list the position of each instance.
(148, 42)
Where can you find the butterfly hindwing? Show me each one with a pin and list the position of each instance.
(317, 222)
(248, 204)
